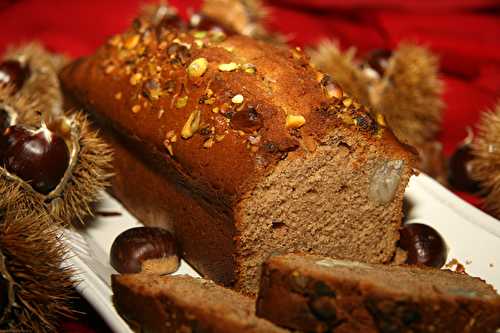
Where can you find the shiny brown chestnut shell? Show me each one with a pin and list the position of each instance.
(4, 120)
(459, 170)
(145, 249)
(201, 21)
(423, 244)
(378, 60)
(39, 157)
(13, 73)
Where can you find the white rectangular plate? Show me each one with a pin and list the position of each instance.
(473, 238)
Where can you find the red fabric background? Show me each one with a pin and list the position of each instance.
(464, 33)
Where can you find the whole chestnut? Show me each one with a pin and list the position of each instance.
(14, 73)
(423, 244)
(39, 157)
(459, 170)
(378, 60)
(4, 120)
(200, 21)
(145, 249)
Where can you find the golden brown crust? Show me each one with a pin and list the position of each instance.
(134, 83)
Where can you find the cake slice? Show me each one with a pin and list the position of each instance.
(318, 294)
(153, 303)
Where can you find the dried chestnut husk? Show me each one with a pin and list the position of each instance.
(423, 244)
(145, 249)
(39, 157)
(459, 170)
(57, 170)
(12, 72)
(36, 287)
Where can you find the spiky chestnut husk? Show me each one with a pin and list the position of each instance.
(38, 283)
(485, 165)
(409, 95)
(42, 84)
(87, 174)
(342, 67)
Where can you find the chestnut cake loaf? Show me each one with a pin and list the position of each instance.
(317, 294)
(241, 149)
(181, 303)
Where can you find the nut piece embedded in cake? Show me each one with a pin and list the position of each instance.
(385, 181)
(145, 249)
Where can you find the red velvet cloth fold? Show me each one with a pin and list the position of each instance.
(465, 34)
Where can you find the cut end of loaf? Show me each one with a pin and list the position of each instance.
(344, 200)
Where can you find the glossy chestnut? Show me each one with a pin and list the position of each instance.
(459, 170)
(200, 21)
(12, 72)
(378, 60)
(423, 244)
(145, 249)
(39, 157)
(4, 120)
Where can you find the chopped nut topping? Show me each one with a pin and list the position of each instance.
(199, 43)
(293, 121)
(178, 41)
(170, 134)
(115, 40)
(163, 45)
(346, 119)
(237, 99)
(135, 79)
(249, 68)
(160, 113)
(208, 143)
(198, 67)
(118, 95)
(254, 140)
(297, 53)
(132, 41)
(152, 89)
(215, 110)
(169, 147)
(229, 48)
(192, 124)
(136, 108)
(170, 86)
(347, 102)
(174, 138)
(380, 119)
(228, 67)
(109, 69)
(217, 36)
(333, 90)
(199, 34)
(181, 102)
